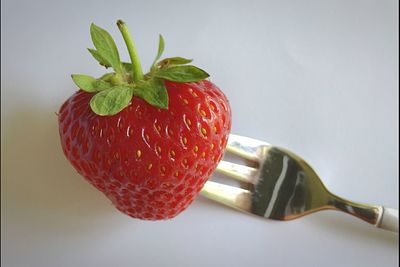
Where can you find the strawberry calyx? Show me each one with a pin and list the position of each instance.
(113, 91)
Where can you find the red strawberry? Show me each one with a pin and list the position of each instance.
(148, 142)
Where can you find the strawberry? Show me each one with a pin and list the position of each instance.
(148, 142)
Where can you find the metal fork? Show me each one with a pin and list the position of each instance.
(284, 187)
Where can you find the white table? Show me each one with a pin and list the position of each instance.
(317, 77)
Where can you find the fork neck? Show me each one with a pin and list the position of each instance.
(368, 213)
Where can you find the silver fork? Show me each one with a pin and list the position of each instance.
(284, 187)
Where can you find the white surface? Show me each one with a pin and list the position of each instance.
(318, 77)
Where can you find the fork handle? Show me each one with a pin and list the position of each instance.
(381, 217)
(388, 219)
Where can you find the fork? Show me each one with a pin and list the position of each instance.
(284, 187)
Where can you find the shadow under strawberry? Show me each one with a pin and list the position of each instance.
(40, 191)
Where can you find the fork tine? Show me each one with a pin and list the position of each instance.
(236, 171)
(244, 147)
(231, 196)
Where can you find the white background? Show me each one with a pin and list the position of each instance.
(317, 77)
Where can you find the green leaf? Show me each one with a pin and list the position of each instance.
(90, 84)
(111, 79)
(84, 82)
(153, 91)
(102, 85)
(106, 77)
(174, 61)
(111, 101)
(99, 58)
(127, 66)
(106, 47)
(186, 73)
(161, 46)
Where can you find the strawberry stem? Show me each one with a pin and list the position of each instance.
(136, 66)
